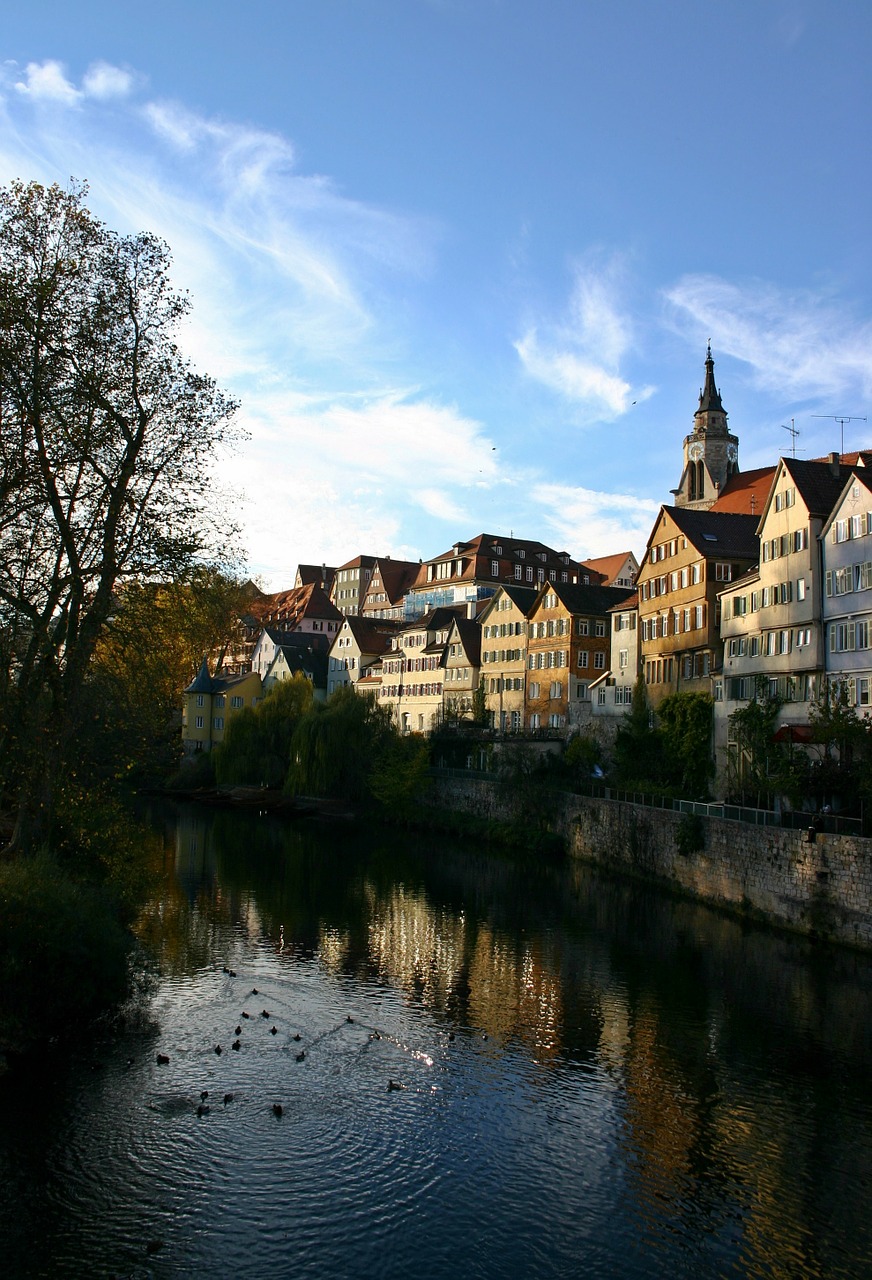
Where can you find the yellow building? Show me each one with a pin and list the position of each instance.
(211, 702)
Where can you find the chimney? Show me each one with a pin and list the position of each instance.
(834, 461)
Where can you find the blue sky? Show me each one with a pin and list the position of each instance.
(459, 259)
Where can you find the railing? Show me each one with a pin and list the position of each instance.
(790, 819)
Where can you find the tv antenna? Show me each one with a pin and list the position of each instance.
(794, 432)
(841, 419)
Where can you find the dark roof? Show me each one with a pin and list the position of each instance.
(469, 632)
(359, 562)
(709, 396)
(371, 633)
(311, 661)
(819, 483)
(717, 533)
(298, 639)
(204, 683)
(523, 597)
(588, 597)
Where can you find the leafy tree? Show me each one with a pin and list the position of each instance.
(149, 650)
(839, 761)
(257, 746)
(479, 703)
(757, 762)
(685, 721)
(638, 751)
(336, 744)
(400, 774)
(107, 437)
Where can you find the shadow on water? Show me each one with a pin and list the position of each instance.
(592, 1077)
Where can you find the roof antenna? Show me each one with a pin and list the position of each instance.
(794, 432)
(841, 419)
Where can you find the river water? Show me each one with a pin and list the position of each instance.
(594, 1078)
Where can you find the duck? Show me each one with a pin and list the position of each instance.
(278, 1110)
(218, 1049)
(202, 1110)
(236, 1045)
(301, 1056)
(393, 1084)
(273, 1031)
(238, 1031)
(264, 1013)
(162, 1060)
(228, 1097)
(298, 1037)
(204, 1095)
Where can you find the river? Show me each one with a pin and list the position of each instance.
(485, 1067)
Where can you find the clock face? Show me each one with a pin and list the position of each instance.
(695, 452)
(732, 452)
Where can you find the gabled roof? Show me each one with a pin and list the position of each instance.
(359, 562)
(371, 634)
(311, 661)
(479, 551)
(468, 632)
(631, 602)
(586, 597)
(608, 567)
(204, 683)
(396, 577)
(819, 483)
(288, 609)
(320, 574)
(523, 598)
(715, 534)
(745, 492)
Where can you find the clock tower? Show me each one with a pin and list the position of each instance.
(711, 453)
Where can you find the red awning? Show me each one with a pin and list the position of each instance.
(794, 733)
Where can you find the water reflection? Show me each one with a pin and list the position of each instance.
(595, 1078)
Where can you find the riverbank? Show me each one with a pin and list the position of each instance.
(820, 888)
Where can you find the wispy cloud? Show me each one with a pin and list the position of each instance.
(580, 356)
(799, 345)
(594, 523)
(47, 82)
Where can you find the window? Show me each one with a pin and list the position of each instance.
(723, 572)
(236, 701)
(582, 627)
(696, 573)
(556, 690)
(600, 628)
(218, 722)
(495, 568)
(534, 690)
(581, 691)
(518, 572)
(599, 661)
(535, 720)
(623, 658)
(199, 722)
(800, 588)
(582, 657)
(199, 699)
(529, 573)
(601, 695)
(699, 616)
(803, 637)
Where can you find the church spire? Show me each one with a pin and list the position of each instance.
(709, 397)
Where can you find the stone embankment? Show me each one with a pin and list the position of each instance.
(821, 887)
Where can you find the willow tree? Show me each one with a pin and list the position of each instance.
(106, 440)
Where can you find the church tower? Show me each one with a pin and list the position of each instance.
(711, 453)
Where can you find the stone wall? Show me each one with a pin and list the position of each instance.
(822, 887)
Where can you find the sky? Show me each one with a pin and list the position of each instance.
(459, 260)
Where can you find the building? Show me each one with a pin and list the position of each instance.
(567, 648)
(613, 571)
(413, 671)
(357, 646)
(307, 659)
(504, 655)
(386, 594)
(711, 453)
(691, 555)
(846, 564)
(210, 702)
(471, 572)
(611, 694)
(351, 583)
(772, 619)
(301, 612)
(462, 670)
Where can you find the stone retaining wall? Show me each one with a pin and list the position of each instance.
(824, 887)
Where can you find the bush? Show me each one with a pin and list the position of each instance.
(690, 835)
(63, 951)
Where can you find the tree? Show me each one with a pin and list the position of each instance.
(638, 751)
(256, 750)
(337, 743)
(756, 760)
(106, 437)
(685, 721)
(151, 648)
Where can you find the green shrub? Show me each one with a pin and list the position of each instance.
(690, 834)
